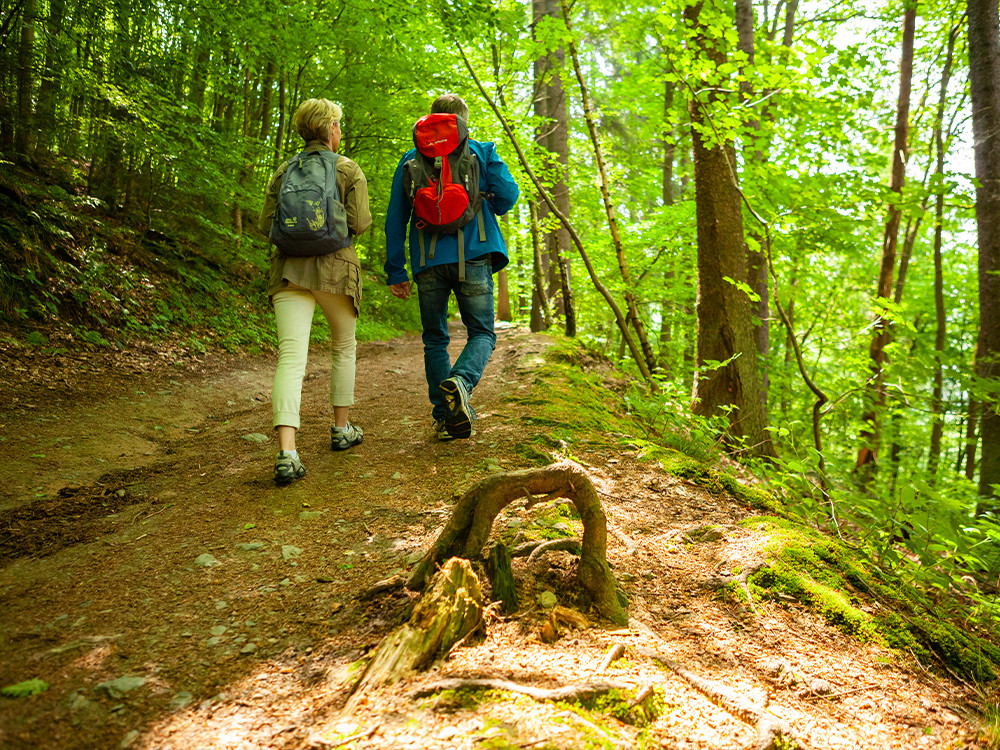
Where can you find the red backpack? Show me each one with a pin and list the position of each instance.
(442, 183)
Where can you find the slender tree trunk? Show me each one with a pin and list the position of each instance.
(553, 136)
(24, 130)
(540, 313)
(50, 79)
(757, 255)
(875, 393)
(971, 437)
(667, 194)
(503, 297)
(279, 136)
(984, 78)
(609, 208)
(937, 408)
(725, 327)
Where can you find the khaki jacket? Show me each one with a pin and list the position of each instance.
(337, 272)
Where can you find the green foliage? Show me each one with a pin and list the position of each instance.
(25, 689)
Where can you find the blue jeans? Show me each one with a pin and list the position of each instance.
(475, 303)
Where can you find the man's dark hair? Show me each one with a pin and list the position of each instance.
(451, 104)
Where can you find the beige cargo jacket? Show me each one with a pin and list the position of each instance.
(338, 272)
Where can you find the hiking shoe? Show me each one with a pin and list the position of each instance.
(441, 430)
(287, 468)
(458, 422)
(342, 438)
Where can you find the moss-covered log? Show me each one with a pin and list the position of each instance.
(472, 520)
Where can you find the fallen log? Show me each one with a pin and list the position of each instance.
(472, 519)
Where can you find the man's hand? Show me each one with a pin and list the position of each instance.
(400, 290)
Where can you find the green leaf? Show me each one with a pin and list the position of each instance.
(25, 689)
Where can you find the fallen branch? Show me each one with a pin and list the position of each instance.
(570, 693)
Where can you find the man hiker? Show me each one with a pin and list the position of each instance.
(446, 195)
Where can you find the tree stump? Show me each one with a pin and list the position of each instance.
(451, 609)
(502, 578)
(473, 517)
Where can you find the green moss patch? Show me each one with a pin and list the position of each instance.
(838, 582)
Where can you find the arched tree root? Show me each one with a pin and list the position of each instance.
(473, 516)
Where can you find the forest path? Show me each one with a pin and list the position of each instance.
(173, 597)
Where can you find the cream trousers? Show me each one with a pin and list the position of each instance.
(293, 311)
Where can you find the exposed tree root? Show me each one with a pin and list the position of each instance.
(570, 545)
(473, 517)
(570, 693)
(614, 653)
(770, 729)
(526, 549)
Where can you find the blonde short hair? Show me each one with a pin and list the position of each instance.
(315, 117)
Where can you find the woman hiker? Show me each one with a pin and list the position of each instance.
(298, 282)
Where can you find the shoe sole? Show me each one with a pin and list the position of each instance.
(282, 480)
(339, 447)
(458, 423)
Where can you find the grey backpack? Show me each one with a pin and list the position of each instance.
(310, 219)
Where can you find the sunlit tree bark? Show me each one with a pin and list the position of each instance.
(728, 380)
(984, 77)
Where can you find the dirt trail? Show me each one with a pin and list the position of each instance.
(116, 489)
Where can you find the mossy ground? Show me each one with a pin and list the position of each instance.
(853, 594)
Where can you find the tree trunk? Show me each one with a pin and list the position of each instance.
(757, 255)
(540, 311)
(667, 194)
(984, 78)
(50, 79)
(940, 335)
(971, 437)
(875, 392)
(24, 130)
(541, 315)
(725, 325)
